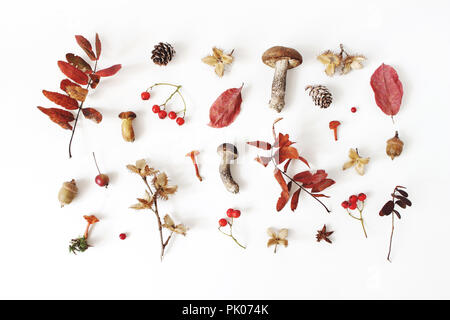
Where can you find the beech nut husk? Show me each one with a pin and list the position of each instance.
(394, 146)
(67, 192)
(127, 125)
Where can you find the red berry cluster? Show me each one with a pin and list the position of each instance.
(162, 114)
(233, 214)
(352, 204)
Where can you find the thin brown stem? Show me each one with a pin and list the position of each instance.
(390, 242)
(95, 160)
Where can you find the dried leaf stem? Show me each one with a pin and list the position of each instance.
(392, 234)
(177, 90)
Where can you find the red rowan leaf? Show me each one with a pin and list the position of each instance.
(319, 176)
(92, 114)
(289, 185)
(59, 116)
(286, 166)
(303, 160)
(388, 89)
(282, 141)
(73, 73)
(61, 100)
(86, 46)
(108, 72)
(67, 83)
(79, 63)
(98, 46)
(279, 177)
(260, 144)
(94, 80)
(263, 160)
(284, 197)
(322, 185)
(294, 200)
(285, 153)
(282, 200)
(226, 108)
(303, 177)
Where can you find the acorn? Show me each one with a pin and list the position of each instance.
(67, 192)
(394, 146)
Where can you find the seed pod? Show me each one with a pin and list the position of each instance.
(67, 192)
(394, 146)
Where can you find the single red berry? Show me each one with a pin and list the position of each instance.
(145, 95)
(122, 236)
(162, 114)
(230, 213)
(362, 197)
(353, 206)
(345, 204)
(353, 199)
(172, 115)
(102, 180)
(156, 108)
(353, 109)
(223, 222)
(180, 121)
(236, 213)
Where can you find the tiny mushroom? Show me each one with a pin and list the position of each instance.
(333, 126)
(127, 126)
(282, 59)
(228, 152)
(192, 155)
(90, 220)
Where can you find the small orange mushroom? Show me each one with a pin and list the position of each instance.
(90, 220)
(192, 155)
(333, 126)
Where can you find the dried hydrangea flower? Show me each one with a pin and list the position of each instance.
(170, 224)
(331, 60)
(357, 161)
(277, 238)
(218, 60)
(352, 63)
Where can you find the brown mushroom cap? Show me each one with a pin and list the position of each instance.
(127, 115)
(228, 149)
(272, 55)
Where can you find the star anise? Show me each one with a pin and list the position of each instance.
(323, 234)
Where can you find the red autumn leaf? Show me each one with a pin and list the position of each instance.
(289, 185)
(108, 72)
(322, 185)
(86, 46)
(79, 63)
(226, 108)
(303, 177)
(282, 200)
(303, 160)
(282, 141)
(73, 73)
(59, 116)
(61, 100)
(98, 46)
(67, 83)
(263, 160)
(388, 89)
(260, 144)
(94, 80)
(286, 166)
(92, 114)
(285, 153)
(284, 197)
(319, 176)
(294, 200)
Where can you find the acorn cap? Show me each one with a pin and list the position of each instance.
(227, 150)
(127, 115)
(272, 55)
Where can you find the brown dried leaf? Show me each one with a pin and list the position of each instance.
(66, 83)
(98, 46)
(79, 63)
(59, 116)
(77, 93)
(294, 200)
(92, 114)
(387, 208)
(94, 80)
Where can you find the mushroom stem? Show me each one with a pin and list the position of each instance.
(86, 233)
(225, 174)
(279, 85)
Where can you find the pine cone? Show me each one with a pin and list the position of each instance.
(162, 54)
(321, 95)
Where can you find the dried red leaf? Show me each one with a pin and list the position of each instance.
(294, 200)
(260, 144)
(285, 153)
(303, 177)
(92, 114)
(226, 108)
(263, 160)
(387, 208)
(284, 197)
(98, 46)
(286, 166)
(86, 46)
(94, 80)
(79, 63)
(67, 83)
(73, 73)
(108, 72)
(322, 185)
(388, 89)
(59, 116)
(303, 160)
(282, 141)
(61, 99)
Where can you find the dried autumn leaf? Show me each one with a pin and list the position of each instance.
(59, 116)
(98, 46)
(263, 160)
(226, 108)
(387, 208)
(294, 200)
(66, 83)
(92, 114)
(77, 93)
(78, 62)
(73, 73)
(303, 177)
(284, 197)
(285, 153)
(282, 141)
(108, 72)
(322, 185)
(61, 100)
(388, 89)
(260, 144)
(94, 80)
(86, 46)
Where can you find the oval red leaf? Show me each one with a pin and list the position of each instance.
(61, 100)
(226, 108)
(86, 46)
(109, 71)
(73, 73)
(92, 114)
(388, 89)
(67, 83)
(59, 116)
(294, 200)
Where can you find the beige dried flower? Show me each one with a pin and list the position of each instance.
(163, 190)
(144, 203)
(352, 63)
(331, 60)
(170, 224)
(218, 60)
(277, 238)
(335, 61)
(357, 161)
(142, 169)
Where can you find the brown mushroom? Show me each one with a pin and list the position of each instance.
(228, 152)
(282, 59)
(192, 155)
(333, 126)
(127, 125)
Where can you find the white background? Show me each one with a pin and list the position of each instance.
(412, 36)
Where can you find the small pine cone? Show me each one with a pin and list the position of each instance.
(321, 95)
(162, 54)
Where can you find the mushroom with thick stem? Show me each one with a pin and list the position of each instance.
(282, 59)
(127, 125)
(333, 126)
(192, 155)
(228, 152)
